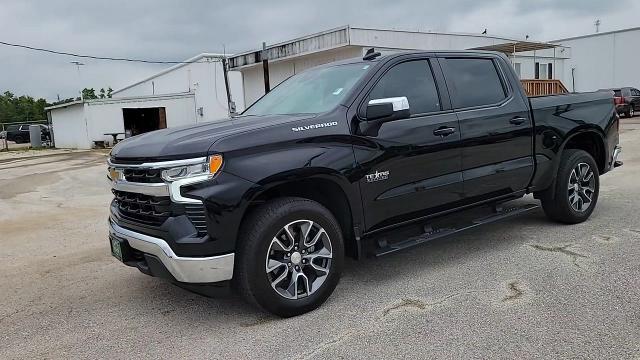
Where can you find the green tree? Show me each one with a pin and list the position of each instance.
(89, 94)
(21, 108)
(102, 93)
(109, 92)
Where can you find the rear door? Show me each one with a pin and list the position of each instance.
(407, 170)
(495, 126)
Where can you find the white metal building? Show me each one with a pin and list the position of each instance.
(201, 75)
(290, 57)
(80, 123)
(184, 94)
(602, 60)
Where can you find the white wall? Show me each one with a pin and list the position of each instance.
(78, 126)
(527, 66)
(205, 78)
(603, 61)
(69, 127)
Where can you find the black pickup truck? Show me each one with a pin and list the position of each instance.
(355, 158)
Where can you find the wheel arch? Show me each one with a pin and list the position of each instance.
(328, 188)
(590, 140)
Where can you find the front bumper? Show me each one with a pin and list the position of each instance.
(183, 269)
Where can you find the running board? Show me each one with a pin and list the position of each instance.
(498, 213)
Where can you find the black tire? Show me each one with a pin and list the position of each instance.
(255, 249)
(18, 140)
(631, 112)
(556, 200)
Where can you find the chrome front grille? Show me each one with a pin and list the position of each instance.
(142, 196)
(150, 210)
(143, 175)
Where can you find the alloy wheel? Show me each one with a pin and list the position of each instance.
(581, 187)
(299, 259)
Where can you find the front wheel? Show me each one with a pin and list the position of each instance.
(289, 257)
(576, 190)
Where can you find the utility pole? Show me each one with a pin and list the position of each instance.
(78, 64)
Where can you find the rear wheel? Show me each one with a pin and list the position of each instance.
(18, 140)
(576, 189)
(631, 112)
(290, 256)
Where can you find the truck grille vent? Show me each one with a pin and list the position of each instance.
(143, 175)
(195, 213)
(146, 209)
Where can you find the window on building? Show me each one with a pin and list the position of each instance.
(476, 82)
(518, 68)
(414, 80)
(543, 71)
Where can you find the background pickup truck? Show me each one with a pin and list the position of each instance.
(360, 157)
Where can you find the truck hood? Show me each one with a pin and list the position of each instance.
(193, 140)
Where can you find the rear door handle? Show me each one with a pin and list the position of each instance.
(444, 131)
(518, 120)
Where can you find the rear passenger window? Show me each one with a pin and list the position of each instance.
(412, 79)
(476, 82)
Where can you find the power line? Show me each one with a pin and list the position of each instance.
(94, 57)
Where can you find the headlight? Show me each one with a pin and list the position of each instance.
(205, 169)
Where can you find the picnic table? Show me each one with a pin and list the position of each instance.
(115, 136)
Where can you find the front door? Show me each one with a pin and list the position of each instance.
(411, 167)
(495, 126)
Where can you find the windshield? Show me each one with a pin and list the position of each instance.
(313, 91)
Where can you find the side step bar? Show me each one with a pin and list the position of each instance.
(431, 233)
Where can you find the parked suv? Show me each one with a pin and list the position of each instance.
(627, 100)
(357, 158)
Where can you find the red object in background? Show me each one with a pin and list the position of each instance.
(618, 100)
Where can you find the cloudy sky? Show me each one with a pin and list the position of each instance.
(177, 30)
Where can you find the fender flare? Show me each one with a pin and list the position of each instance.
(561, 149)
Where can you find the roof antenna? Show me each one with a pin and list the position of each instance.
(371, 54)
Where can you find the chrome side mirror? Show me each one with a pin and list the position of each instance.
(388, 109)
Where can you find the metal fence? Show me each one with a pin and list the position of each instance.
(12, 137)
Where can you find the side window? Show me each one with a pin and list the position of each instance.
(636, 92)
(414, 80)
(476, 82)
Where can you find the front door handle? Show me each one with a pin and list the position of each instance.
(444, 131)
(518, 120)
